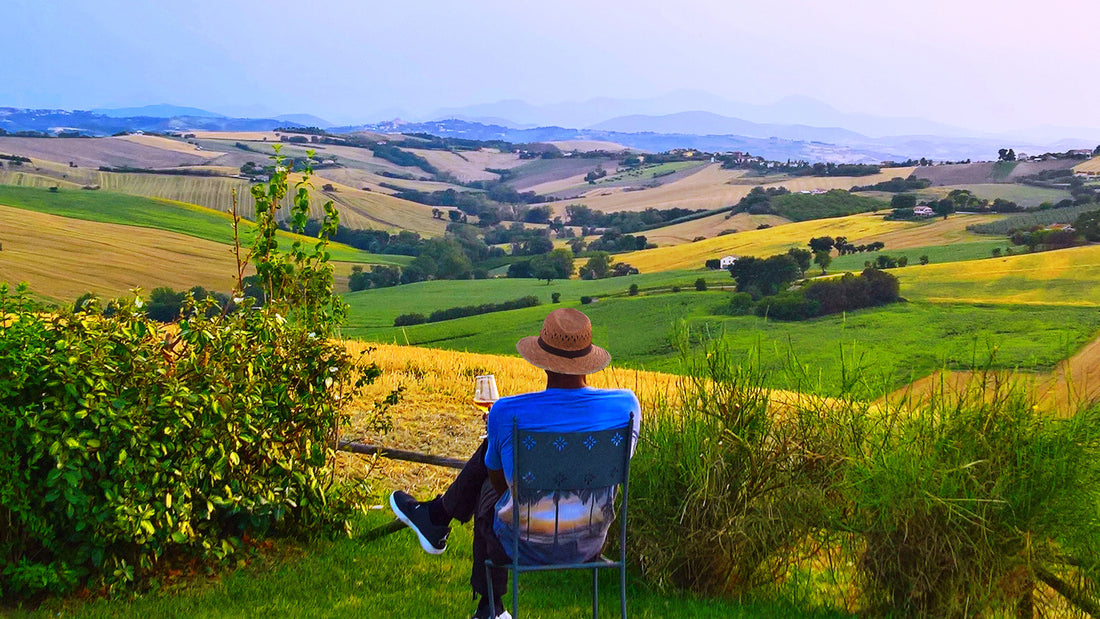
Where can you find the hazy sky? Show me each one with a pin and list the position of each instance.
(983, 64)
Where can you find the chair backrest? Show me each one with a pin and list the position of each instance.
(558, 462)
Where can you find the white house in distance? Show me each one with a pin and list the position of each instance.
(726, 261)
(923, 211)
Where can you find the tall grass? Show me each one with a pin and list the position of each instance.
(729, 488)
(963, 501)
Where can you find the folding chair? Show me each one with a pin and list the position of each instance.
(568, 462)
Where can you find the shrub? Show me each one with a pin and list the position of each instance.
(555, 297)
(585, 300)
(740, 303)
(122, 447)
(788, 306)
(675, 289)
(405, 320)
(701, 284)
(633, 290)
(474, 310)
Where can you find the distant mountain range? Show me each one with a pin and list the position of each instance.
(148, 118)
(792, 128)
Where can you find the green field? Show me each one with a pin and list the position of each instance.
(937, 254)
(1024, 195)
(178, 217)
(894, 344)
(374, 309)
(836, 203)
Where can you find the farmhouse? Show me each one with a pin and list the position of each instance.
(727, 261)
(923, 211)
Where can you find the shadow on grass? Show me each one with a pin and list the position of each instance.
(392, 577)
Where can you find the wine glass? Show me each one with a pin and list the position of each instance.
(485, 393)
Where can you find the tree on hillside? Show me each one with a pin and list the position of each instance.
(903, 200)
(823, 259)
(597, 267)
(802, 257)
(821, 243)
(764, 276)
(1006, 154)
(943, 207)
(557, 264)
(1088, 225)
(963, 199)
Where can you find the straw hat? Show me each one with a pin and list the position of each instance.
(564, 345)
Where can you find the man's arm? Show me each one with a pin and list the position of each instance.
(496, 477)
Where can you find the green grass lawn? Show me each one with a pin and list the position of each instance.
(889, 346)
(955, 252)
(189, 219)
(392, 578)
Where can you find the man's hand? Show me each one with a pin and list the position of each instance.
(500, 484)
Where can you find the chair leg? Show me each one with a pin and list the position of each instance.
(622, 590)
(595, 594)
(489, 582)
(515, 593)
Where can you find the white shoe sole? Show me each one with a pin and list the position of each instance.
(424, 543)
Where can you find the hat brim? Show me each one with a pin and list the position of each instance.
(596, 359)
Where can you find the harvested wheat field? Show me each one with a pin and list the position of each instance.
(62, 258)
(257, 136)
(469, 166)
(436, 416)
(710, 188)
(95, 152)
(1092, 166)
(1067, 277)
(178, 146)
(358, 209)
(762, 242)
(933, 232)
(710, 226)
(25, 179)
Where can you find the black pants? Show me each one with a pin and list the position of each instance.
(471, 495)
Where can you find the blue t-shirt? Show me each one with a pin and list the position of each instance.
(572, 528)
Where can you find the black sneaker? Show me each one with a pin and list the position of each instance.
(483, 611)
(433, 538)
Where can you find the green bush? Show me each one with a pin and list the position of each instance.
(788, 306)
(123, 447)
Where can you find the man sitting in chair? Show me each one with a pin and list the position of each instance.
(565, 351)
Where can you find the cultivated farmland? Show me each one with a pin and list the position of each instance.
(1066, 277)
(62, 258)
(470, 165)
(1092, 166)
(709, 188)
(858, 228)
(95, 152)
